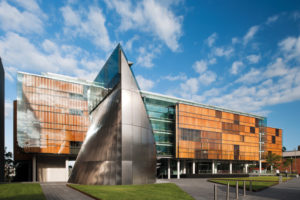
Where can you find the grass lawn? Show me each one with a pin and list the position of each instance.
(256, 186)
(164, 191)
(21, 191)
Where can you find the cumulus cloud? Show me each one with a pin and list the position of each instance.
(181, 76)
(253, 59)
(88, 24)
(272, 19)
(236, 66)
(250, 34)
(146, 55)
(290, 47)
(128, 45)
(211, 39)
(27, 21)
(220, 51)
(190, 86)
(8, 109)
(154, 17)
(200, 66)
(18, 53)
(207, 78)
(145, 84)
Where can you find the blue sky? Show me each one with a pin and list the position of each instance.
(242, 55)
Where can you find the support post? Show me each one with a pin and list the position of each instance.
(194, 167)
(34, 168)
(67, 169)
(246, 168)
(244, 188)
(184, 166)
(237, 190)
(215, 192)
(230, 168)
(178, 169)
(250, 186)
(259, 166)
(227, 194)
(169, 168)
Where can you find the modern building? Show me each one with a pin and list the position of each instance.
(2, 118)
(55, 113)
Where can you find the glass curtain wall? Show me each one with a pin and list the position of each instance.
(162, 118)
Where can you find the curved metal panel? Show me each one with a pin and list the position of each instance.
(119, 147)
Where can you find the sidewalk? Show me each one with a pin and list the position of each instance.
(59, 191)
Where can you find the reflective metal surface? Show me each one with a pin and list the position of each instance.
(119, 147)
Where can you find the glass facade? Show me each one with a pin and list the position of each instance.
(52, 115)
(162, 118)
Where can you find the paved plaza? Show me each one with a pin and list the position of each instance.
(200, 189)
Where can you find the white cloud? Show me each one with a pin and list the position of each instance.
(20, 54)
(278, 68)
(272, 19)
(146, 55)
(190, 86)
(8, 108)
(290, 47)
(150, 16)
(220, 51)
(128, 45)
(211, 39)
(253, 76)
(145, 84)
(250, 34)
(181, 76)
(88, 24)
(10, 73)
(200, 66)
(234, 40)
(235, 68)
(253, 59)
(207, 78)
(12, 19)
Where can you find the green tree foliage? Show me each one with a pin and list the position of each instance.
(9, 168)
(273, 160)
(287, 162)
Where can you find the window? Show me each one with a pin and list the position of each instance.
(76, 112)
(236, 122)
(257, 122)
(218, 114)
(252, 130)
(277, 132)
(242, 138)
(273, 139)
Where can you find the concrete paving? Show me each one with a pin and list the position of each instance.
(200, 189)
(59, 191)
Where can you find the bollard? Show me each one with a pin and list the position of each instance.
(237, 190)
(244, 188)
(215, 191)
(280, 179)
(227, 194)
(250, 186)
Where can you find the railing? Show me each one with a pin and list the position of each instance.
(237, 186)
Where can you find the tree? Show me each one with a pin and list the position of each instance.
(288, 163)
(273, 160)
(9, 168)
(283, 149)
